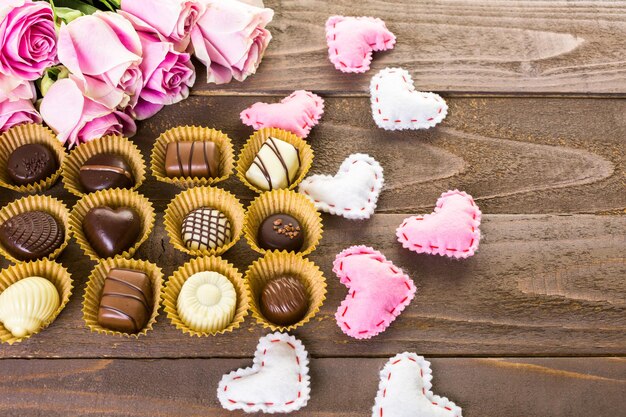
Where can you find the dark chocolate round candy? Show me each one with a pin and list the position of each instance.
(284, 301)
(31, 235)
(280, 232)
(31, 163)
(104, 171)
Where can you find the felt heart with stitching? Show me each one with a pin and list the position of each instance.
(351, 41)
(277, 382)
(352, 192)
(378, 291)
(405, 390)
(451, 230)
(396, 105)
(297, 113)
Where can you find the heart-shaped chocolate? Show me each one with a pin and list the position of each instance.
(405, 390)
(396, 105)
(111, 231)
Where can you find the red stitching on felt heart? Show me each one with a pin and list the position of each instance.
(346, 209)
(440, 206)
(380, 260)
(423, 389)
(263, 364)
(376, 98)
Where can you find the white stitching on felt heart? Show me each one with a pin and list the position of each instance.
(275, 376)
(472, 216)
(393, 400)
(336, 46)
(333, 200)
(297, 117)
(396, 105)
(360, 330)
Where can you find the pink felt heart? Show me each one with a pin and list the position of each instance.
(451, 230)
(396, 105)
(405, 390)
(277, 381)
(351, 41)
(378, 291)
(297, 113)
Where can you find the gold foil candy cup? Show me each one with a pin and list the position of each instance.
(192, 134)
(286, 202)
(44, 268)
(206, 263)
(25, 134)
(118, 145)
(95, 284)
(113, 198)
(194, 198)
(48, 204)
(276, 264)
(257, 139)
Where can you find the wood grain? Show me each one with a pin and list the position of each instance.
(539, 285)
(453, 46)
(491, 387)
(512, 155)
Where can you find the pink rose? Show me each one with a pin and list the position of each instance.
(77, 119)
(167, 76)
(103, 53)
(230, 39)
(28, 42)
(16, 102)
(14, 113)
(171, 20)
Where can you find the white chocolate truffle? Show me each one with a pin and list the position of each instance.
(206, 228)
(275, 166)
(207, 302)
(27, 305)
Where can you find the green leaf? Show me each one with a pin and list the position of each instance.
(79, 5)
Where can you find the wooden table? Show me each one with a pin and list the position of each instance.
(533, 325)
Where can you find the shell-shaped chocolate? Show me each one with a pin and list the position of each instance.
(31, 235)
(27, 305)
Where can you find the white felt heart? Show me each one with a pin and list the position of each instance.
(352, 192)
(405, 390)
(277, 382)
(396, 105)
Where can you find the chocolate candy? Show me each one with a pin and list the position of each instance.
(111, 232)
(31, 235)
(126, 303)
(192, 159)
(207, 302)
(275, 166)
(205, 228)
(280, 232)
(284, 301)
(105, 171)
(27, 305)
(31, 163)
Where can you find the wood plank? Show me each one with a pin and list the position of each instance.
(453, 46)
(512, 155)
(490, 387)
(540, 285)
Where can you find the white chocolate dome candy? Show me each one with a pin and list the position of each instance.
(207, 302)
(27, 305)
